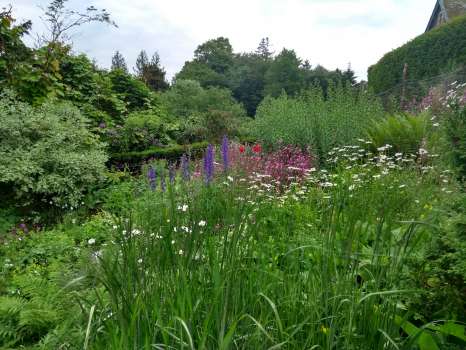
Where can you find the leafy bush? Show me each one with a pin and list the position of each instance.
(39, 288)
(441, 269)
(455, 128)
(48, 154)
(172, 153)
(134, 92)
(204, 113)
(311, 120)
(430, 54)
(212, 125)
(404, 133)
(140, 131)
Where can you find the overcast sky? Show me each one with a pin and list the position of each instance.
(332, 33)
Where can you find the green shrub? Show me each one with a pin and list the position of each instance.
(40, 290)
(140, 131)
(455, 129)
(204, 113)
(212, 125)
(429, 55)
(441, 269)
(405, 133)
(311, 120)
(172, 153)
(47, 153)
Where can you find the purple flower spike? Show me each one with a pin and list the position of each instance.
(209, 164)
(152, 177)
(185, 168)
(225, 158)
(171, 173)
(163, 184)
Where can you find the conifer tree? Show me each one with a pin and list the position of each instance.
(151, 72)
(118, 62)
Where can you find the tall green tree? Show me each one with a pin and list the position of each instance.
(247, 80)
(14, 54)
(217, 54)
(349, 76)
(141, 62)
(212, 63)
(284, 74)
(263, 50)
(151, 72)
(118, 62)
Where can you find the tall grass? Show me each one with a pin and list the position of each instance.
(323, 123)
(234, 266)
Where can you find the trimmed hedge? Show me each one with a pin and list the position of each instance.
(172, 153)
(433, 53)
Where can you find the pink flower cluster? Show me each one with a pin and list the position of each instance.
(285, 165)
(288, 164)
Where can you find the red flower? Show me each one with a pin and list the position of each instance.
(242, 149)
(257, 148)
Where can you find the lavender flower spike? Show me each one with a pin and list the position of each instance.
(225, 157)
(152, 177)
(163, 184)
(185, 168)
(171, 173)
(209, 164)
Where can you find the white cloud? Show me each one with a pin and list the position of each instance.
(328, 32)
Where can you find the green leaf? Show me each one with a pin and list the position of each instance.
(425, 340)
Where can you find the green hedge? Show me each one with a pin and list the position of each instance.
(433, 53)
(172, 153)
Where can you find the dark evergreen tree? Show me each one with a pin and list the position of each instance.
(263, 50)
(142, 61)
(151, 72)
(118, 62)
(349, 76)
(247, 80)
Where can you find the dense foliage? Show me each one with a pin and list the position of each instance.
(252, 76)
(404, 133)
(438, 51)
(315, 121)
(48, 154)
(334, 227)
(204, 113)
(293, 267)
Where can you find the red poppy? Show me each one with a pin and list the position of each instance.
(257, 148)
(242, 149)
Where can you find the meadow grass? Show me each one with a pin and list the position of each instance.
(237, 265)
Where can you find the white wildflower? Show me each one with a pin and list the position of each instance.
(91, 241)
(183, 207)
(423, 151)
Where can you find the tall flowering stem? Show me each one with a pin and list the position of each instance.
(163, 183)
(209, 164)
(185, 168)
(152, 177)
(225, 150)
(171, 173)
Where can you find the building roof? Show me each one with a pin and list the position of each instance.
(446, 10)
